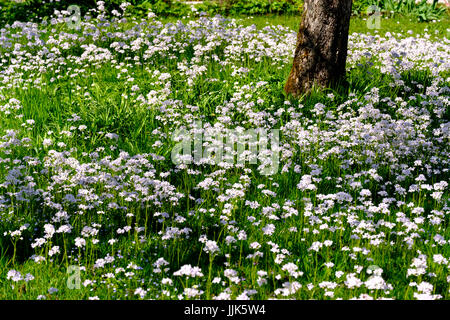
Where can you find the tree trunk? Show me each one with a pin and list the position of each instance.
(322, 42)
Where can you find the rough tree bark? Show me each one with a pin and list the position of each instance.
(322, 42)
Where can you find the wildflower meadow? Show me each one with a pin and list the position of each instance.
(158, 158)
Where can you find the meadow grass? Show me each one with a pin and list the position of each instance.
(357, 209)
(398, 24)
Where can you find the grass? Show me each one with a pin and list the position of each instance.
(397, 25)
(137, 202)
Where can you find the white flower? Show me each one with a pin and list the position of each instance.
(47, 142)
(376, 283)
(316, 246)
(425, 287)
(80, 242)
(14, 275)
(255, 245)
(189, 271)
(38, 243)
(223, 296)
(426, 296)
(439, 259)
(140, 292)
(352, 281)
(211, 247)
(328, 243)
(49, 230)
(292, 268)
(54, 250)
(192, 292)
(37, 259)
(28, 277)
(269, 229)
(242, 235)
(160, 262)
